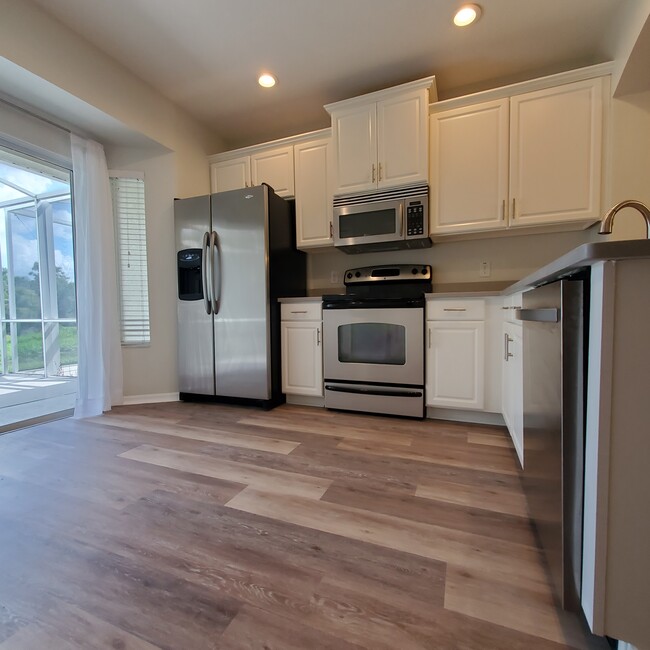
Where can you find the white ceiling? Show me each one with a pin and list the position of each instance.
(206, 55)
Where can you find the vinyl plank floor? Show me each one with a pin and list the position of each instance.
(192, 526)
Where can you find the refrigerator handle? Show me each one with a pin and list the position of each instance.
(215, 263)
(205, 275)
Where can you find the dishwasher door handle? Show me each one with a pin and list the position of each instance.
(548, 315)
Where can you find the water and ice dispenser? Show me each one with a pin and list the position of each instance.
(188, 263)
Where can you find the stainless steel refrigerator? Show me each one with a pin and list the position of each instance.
(235, 255)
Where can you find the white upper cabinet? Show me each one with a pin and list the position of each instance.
(402, 134)
(232, 174)
(275, 168)
(381, 140)
(530, 160)
(355, 145)
(555, 154)
(313, 193)
(469, 167)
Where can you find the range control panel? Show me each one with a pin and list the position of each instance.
(414, 219)
(394, 273)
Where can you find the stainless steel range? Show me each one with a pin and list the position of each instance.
(373, 340)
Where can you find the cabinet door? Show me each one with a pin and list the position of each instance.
(302, 358)
(469, 168)
(555, 154)
(355, 149)
(403, 139)
(313, 193)
(233, 174)
(455, 364)
(275, 168)
(512, 393)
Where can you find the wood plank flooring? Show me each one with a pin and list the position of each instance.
(198, 526)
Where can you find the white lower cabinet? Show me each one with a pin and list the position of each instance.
(456, 354)
(302, 349)
(512, 385)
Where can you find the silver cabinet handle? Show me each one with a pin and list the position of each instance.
(304, 311)
(454, 309)
(503, 210)
(379, 179)
(373, 172)
(507, 354)
(215, 264)
(331, 230)
(318, 336)
(206, 274)
(514, 213)
(429, 337)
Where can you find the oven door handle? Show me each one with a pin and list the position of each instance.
(383, 392)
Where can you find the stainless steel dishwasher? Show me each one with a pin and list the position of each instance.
(554, 410)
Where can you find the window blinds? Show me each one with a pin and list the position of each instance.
(131, 242)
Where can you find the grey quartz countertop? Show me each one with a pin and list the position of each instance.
(580, 258)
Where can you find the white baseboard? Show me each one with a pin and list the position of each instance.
(129, 400)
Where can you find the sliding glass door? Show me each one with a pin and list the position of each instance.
(38, 308)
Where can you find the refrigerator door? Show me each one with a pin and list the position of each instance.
(240, 257)
(195, 340)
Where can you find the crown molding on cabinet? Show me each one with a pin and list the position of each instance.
(378, 95)
(273, 144)
(580, 74)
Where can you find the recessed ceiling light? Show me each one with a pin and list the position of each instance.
(266, 80)
(466, 15)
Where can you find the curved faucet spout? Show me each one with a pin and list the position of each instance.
(608, 220)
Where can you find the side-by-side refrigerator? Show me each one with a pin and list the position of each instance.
(235, 255)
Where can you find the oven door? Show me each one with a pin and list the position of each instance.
(382, 346)
(369, 223)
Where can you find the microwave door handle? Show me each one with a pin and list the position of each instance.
(205, 275)
(401, 220)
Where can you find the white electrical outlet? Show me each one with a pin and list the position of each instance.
(484, 270)
(334, 277)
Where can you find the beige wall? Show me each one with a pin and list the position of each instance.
(152, 369)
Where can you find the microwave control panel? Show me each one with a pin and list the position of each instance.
(414, 219)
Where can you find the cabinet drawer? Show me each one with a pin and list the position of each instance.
(456, 309)
(302, 311)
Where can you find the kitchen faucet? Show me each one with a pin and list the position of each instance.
(608, 220)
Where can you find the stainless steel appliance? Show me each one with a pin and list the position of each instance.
(373, 341)
(554, 405)
(235, 254)
(383, 221)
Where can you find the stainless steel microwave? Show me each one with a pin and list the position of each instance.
(383, 221)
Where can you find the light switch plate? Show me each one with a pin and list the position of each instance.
(484, 270)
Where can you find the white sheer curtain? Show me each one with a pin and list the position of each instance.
(100, 354)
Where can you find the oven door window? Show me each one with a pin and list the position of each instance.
(379, 343)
